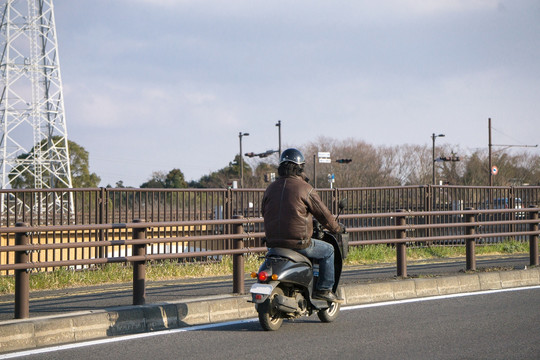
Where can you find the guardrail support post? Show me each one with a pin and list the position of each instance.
(533, 239)
(470, 247)
(22, 278)
(139, 267)
(401, 248)
(238, 260)
(102, 251)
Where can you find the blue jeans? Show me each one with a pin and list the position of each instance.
(324, 252)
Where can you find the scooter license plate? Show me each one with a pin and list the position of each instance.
(264, 289)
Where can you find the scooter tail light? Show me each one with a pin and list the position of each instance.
(263, 276)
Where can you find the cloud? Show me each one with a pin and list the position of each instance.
(438, 7)
(178, 75)
(111, 104)
(308, 18)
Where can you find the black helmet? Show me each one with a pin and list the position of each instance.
(292, 155)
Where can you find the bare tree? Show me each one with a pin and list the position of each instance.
(476, 169)
(371, 166)
(410, 164)
(367, 167)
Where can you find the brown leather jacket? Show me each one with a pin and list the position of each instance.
(287, 207)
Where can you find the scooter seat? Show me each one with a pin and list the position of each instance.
(288, 254)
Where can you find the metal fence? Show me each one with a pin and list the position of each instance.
(118, 206)
(400, 224)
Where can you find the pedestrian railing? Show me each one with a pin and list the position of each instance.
(103, 206)
(469, 227)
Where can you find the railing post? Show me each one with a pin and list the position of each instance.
(401, 248)
(238, 260)
(429, 207)
(139, 267)
(335, 203)
(22, 277)
(470, 243)
(102, 252)
(228, 215)
(533, 239)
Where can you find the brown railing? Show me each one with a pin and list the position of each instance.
(402, 225)
(102, 206)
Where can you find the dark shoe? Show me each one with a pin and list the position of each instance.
(327, 295)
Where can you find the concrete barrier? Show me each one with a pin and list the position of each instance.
(90, 325)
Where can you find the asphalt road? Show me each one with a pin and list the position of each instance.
(489, 325)
(44, 303)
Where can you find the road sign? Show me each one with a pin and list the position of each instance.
(324, 157)
(494, 170)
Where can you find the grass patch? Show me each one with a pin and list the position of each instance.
(121, 273)
(167, 270)
(373, 254)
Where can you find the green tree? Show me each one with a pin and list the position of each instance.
(80, 168)
(159, 180)
(223, 177)
(156, 181)
(79, 164)
(175, 179)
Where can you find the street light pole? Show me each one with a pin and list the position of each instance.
(240, 135)
(279, 137)
(433, 157)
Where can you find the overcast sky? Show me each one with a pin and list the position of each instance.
(152, 85)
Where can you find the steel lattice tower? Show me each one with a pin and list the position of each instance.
(31, 103)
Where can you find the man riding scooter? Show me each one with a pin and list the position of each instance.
(287, 207)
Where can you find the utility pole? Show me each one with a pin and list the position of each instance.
(490, 145)
(489, 154)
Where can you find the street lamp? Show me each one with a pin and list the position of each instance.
(433, 158)
(278, 124)
(240, 135)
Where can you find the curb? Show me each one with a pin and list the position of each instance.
(90, 325)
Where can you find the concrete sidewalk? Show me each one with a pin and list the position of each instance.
(90, 325)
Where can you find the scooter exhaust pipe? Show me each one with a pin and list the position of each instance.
(286, 304)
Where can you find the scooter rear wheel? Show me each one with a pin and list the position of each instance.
(269, 317)
(330, 313)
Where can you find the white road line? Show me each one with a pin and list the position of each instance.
(437, 297)
(229, 323)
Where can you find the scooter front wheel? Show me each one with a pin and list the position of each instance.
(270, 317)
(330, 313)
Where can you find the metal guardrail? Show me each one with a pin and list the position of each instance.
(46, 207)
(403, 224)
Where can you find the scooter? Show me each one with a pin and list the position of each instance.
(286, 281)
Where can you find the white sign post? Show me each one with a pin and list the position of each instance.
(331, 180)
